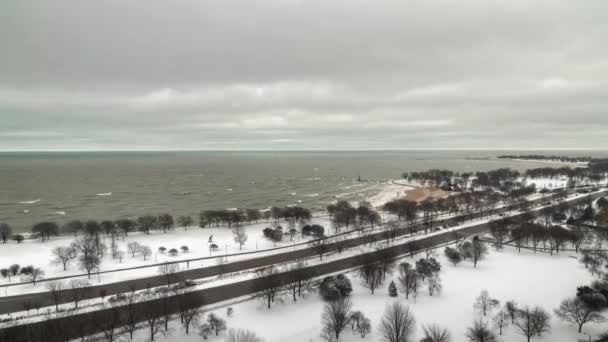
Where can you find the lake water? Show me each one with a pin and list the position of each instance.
(111, 185)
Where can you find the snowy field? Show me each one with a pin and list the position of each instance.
(530, 279)
(38, 254)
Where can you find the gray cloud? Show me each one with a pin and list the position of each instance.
(303, 74)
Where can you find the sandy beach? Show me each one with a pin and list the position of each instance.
(401, 189)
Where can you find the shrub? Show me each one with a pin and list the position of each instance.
(453, 255)
(173, 252)
(213, 246)
(267, 232)
(27, 270)
(365, 327)
(333, 288)
(314, 230)
(306, 230)
(184, 249)
(162, 249)
(14, 269)
(204, 330)
(229, 311)
(317, 230)
(18, 238)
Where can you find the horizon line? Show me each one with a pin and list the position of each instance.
(311, 150)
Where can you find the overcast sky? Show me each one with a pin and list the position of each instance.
(288, 74)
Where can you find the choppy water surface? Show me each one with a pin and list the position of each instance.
(111, 185)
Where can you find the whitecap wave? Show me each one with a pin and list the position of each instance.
(228, 189)
(60, 213)
(26, 211)
(312, 195)
(104, 194)
(292, 193)
(30, 202)
(343, 195)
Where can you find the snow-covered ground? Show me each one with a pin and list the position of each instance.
(547, 183)
(33, 252)
(38, 254)
(529, 279)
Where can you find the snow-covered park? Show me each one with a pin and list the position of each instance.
(39, 254)
(528, 278)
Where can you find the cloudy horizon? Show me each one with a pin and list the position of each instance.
(299, 75)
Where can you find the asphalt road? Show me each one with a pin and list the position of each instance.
(74, 326)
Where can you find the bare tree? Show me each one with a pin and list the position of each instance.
(386, 259)
(77, 288)
(320, 247)
(216, 323)
(484, 303)
(371, 274)
(501, 321)
(540, 320)
(532, 322)
(165, 307)
(512, 309)
(120, 255)
(435, 333)
(499, 232)
(480, 332)
(299, 279)
(398, 323)
(35, 274)
(145, 251)
(408, 279)
(151, 315)
(340, 242)
(55, 288)
(110, 323)
(130, 314)
(89, 263)
(133, 247)
(240, 236)
(335, 318)
(434, 284)
(241, 335)
(392, 230)
(186, 313)
(185, 221)
(575, 311)
(267, 284)
(63, 255)
(169, 272)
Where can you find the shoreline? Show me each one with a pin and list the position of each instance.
(400, 189)
(548, 161)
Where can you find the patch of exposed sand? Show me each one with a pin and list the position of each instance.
(421, 194)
